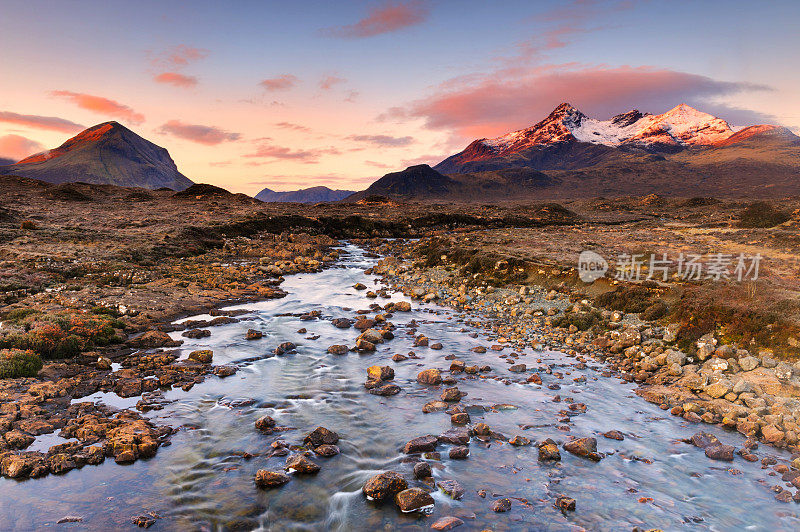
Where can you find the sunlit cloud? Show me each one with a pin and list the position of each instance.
(328, 82)
(391, 16)
(267, 150)
(178, 56)
(41, 122)
(177, 79)
(279, 83)
(100, 105)
(17, 147)
(293, 127)
(208, 135)
(386, 141)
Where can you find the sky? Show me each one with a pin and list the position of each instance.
(286, 95)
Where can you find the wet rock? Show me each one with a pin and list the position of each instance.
(414, 500)
(17, 439)
(359, 286)
(225, 371)
(384, 485)
(583, 447)
(422, 470)
(518, 368)
(271, 479)
(435, 406)
(422, 444)
(548, 451)
(614, 435)
(386, 390)
(380, 373)
(399, 358)
(501, 505)
(362, 324)
(285, 347)
(338, 349)
(455, 436)
(204, 356)
(365, 346)
(535, 379)
(720, 452)
(459, 418)
(430, 376)
(265, 424)
(459, 453)
(402, 306)
(372, 336)
(253, 334)
(519, 441)
(448, 522)
(452, 488)
(437, 346)
(196, 334)
(301, 465)
(321, 436)
(451, 395)
(481, 429)
(565, 504)
(704, 439)
(342, 323)
(327, 450)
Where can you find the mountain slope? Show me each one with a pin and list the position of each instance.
(305, 195)
(107, 153)
(420, 181)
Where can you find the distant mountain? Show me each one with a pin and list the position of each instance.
(5, 161)
(305, 195)
(108, 153)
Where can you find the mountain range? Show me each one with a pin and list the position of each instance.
(683, 152)
(305, 195)
(108, 153)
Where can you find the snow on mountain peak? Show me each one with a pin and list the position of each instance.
(680, 127)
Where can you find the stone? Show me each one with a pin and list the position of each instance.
(380, 373)
(720, 452)
(718, 389)
(271, 479)
(676, 357)
(253, 334)
(451, 394)
(518, 368)
(748, 363)
(326, 450)
(301, 465)
(447, 522)
(385, 390)
(414, 500)
(460, 418)
(501, 505)
(519, 441)
(614, 435)
(320, 436)
(384, 485)
(204, 356)
(430, 376)
(548, 451)
(456, 436)
(452, 488)
(565, 504)
(584, 447)
(772, 434)
(225, 371)
(342, 323)
(338, 349)
(459, 453)
(422, 470)
(265, 424)
(422, 444)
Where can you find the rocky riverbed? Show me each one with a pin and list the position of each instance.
(348, 405)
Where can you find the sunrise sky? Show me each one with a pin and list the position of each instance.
(250, 94)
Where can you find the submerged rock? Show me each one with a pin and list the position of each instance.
(271, 479)
(384, 486)
(414, 500)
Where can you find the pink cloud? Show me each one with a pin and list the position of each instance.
(279, 83)
(328, 82)
(494, 105)
(17, 147)
(267, 150)
(293, 127)
(179, 80)
(389, 17)
(41, 122)
(208, 135)
(386, 141)
(178, 56)
(101, 105)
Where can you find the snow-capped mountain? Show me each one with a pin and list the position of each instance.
(679, 128)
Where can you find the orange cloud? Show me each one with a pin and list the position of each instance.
(390, 17)
(41, 122)
(386, 141)
(17, 147)
(101, 105)
(208, 135)
(310, 156)
(178, 56)
(327, 82)
(279, 83)
(293, 127)
(179, 80)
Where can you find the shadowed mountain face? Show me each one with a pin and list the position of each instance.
(305, 195)
(107, 153)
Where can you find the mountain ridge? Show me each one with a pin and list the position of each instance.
(304, 195)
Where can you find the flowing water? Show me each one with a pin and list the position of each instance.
(202, 482)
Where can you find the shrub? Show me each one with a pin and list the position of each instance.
(762, 214)
(61, 335)
(18, 363)
(655, 311)
(582, 320)
(630, 299)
